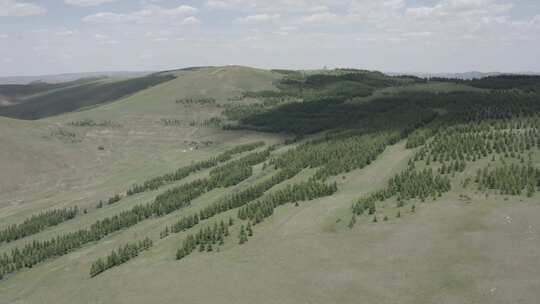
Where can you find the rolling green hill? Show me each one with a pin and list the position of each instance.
(240, 185)
(40, 100)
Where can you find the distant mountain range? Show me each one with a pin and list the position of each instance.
(465, 75)
(59, 78)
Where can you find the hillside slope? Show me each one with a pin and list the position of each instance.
(36, 101)
(58, 161)
(362, 188)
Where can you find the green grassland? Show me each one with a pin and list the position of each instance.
(470, 245)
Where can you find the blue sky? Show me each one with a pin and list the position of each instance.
(62, 36)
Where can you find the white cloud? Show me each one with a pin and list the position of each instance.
(87, 2)
(380, 12)
(217, 4)
(146, 56)
(159, 33)
(163, 35)
(191, 20)
(105, 39)
(12, 8)
(458, 20)
(318, 8)
(373, 34)
(106, 17)
(452, 8)
(536, 21)
(66, 33)
(272, 6)
(149, 14)
(321, 18)
(367, 6)
(160, 39)
(357, 11)
(256, 19)
(417, 34)
(367, 39)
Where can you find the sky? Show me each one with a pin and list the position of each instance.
(68, 36)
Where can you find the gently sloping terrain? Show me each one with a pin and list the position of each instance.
(376, 189)
(441, 254)
(54, 162)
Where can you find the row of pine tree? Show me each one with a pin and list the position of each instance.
(409, 184)
(165, 203)
(37, 223)
(183, 172)
(119, 256)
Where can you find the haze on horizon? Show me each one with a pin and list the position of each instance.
(69, 36)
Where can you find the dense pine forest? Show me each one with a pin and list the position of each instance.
(331, 129)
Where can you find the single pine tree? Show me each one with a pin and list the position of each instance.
(249, 230)
(242, 235)
(352, 222)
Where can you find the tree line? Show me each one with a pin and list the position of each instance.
(87, 122)
(200, 101)
(245, 196)
(255, 211)
(237, 170)
(230, 202)
(336, 153)
(213, 122)
(38, 251)
(119, 256)
(509, 179)
(528, 83)
(409, 184)
(37, 223)
(258, 210)
(165, 203)
(183, 172)
(206, 239)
